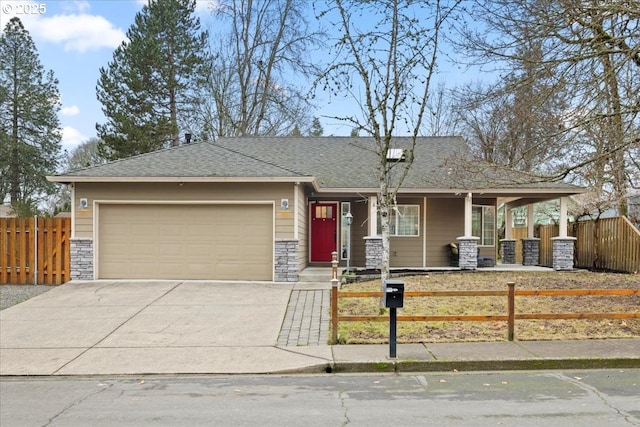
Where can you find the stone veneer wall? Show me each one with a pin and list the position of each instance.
(468, 253)
(531, 251)
(563, 252)
(508, 247)
(373, 252)
(286, 260)
(81, 258)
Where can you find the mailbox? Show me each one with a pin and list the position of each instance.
(393, 293)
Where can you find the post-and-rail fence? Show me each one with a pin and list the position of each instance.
(510, 317)
(34, 250)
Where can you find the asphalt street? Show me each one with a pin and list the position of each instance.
(525, 398)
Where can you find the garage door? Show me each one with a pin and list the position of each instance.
(211, 242)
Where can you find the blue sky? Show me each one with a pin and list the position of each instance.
(75, 38)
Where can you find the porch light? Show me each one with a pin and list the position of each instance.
(349, 219)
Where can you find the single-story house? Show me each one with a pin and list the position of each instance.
(265, 208)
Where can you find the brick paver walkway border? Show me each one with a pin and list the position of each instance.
(306, 321)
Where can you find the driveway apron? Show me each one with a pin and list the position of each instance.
(140, 327)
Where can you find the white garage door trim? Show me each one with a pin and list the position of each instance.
(97, 204)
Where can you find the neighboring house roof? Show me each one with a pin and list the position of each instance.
(331, 163)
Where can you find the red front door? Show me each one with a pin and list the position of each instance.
(324, 230)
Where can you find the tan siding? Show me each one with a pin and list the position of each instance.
(445, 222)
(359, 230)
(406, 251)
(195, 192)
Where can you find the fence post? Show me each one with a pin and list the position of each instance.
(334, 297)
(512, 310)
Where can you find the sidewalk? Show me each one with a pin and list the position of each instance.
(175, 327)
(311, 301)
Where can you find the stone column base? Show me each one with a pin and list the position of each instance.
(508, 247)
(563, 252)
(468, 252)
(81, 259)
(286, 260)
(373, 252)
(531, 251)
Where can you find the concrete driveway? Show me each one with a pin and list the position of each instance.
(151, 327)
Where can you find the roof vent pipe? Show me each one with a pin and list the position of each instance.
(187, 137)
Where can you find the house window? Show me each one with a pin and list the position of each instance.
(483, 224)
(403, 221)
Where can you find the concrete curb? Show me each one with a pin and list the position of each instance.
(483, 365)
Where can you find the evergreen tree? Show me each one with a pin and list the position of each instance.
(316, 128)
(147, 90)
(29, 126)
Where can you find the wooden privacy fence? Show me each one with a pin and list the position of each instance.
(510, 317)
(608, 244)
(34, 250)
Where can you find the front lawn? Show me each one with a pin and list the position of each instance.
(416, 332)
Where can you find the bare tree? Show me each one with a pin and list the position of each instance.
(385, 63)
(260, 60)
(588, 49)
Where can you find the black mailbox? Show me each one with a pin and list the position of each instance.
(393, 293)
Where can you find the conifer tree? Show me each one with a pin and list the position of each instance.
(29, 127)
(148, 90)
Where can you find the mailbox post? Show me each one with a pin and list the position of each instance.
(393, 299)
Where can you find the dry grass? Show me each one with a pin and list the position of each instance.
(412, 332)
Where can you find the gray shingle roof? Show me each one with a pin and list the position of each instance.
(334, 162)
(192, 160)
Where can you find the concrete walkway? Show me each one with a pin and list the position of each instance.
(190, 327)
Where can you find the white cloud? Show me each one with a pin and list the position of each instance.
(71, 138)
(72, 6)
(70, 111)
(78, 32)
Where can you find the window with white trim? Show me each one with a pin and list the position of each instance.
(483, 224)
(404, 220)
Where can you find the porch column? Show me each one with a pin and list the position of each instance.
(373, 252)
(531, 221)
(468, 214)
(563, 245)
(508, 244)
(531, 251)
(508, 247)
(468, 244)
(508, 222)
(563, 218)
(563, 252)
(373, 215)
(468, 252)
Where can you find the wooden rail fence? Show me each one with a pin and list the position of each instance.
(510, 317)
(34, 250)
